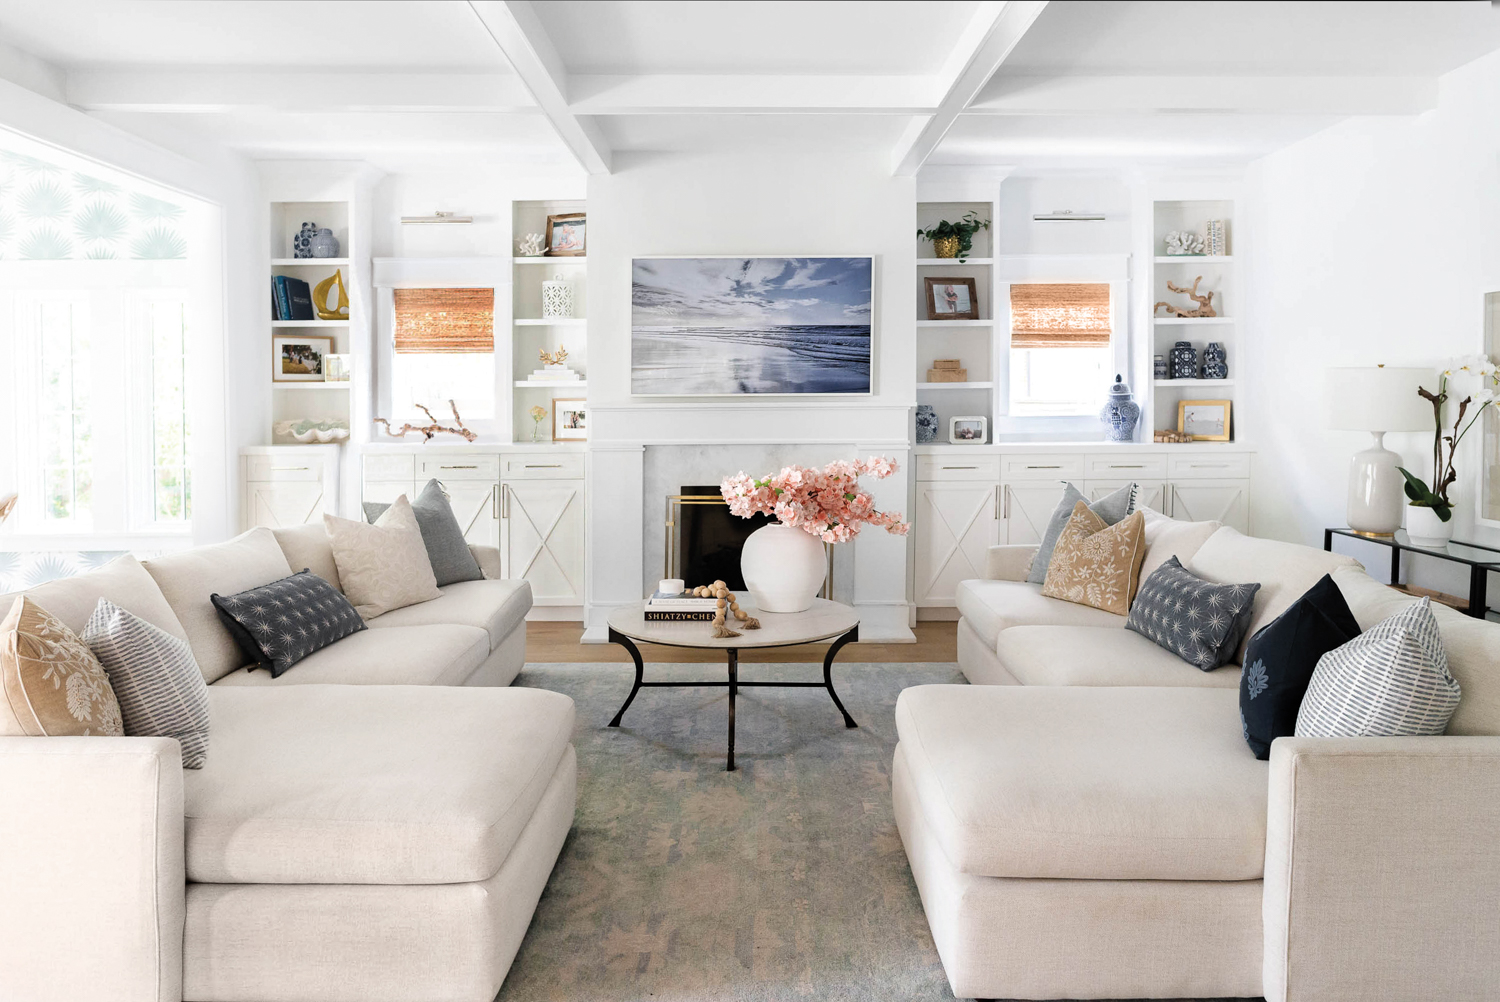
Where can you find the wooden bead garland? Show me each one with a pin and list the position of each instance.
(727, 606)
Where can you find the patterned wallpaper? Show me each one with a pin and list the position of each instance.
(49, 212)
(31, 568)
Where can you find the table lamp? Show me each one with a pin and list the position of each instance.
(1377, 399)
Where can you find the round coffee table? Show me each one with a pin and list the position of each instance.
(824, 621)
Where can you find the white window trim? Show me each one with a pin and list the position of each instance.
(1113, 269)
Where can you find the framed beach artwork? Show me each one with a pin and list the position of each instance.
(733, 326)
(1205, 420)
(951, 299)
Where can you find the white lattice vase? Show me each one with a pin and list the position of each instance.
(783, 568)
(557, 298)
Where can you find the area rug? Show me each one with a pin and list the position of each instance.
(684, 883)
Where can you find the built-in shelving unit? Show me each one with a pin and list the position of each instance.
(970, 341)
(531, 331)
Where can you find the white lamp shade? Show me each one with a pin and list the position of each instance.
(1379, 398)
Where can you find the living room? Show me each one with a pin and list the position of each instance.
(745, 501)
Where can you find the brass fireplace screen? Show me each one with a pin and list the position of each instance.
(698, 555)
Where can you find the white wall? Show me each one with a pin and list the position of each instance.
(1023, 196)
(1371, 242)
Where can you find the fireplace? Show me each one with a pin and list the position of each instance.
(704, 539)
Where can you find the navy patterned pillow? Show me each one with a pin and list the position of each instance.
(279, 624)
(1197, 620)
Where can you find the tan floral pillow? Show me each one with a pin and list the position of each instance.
(1097, 564)
(52, 684)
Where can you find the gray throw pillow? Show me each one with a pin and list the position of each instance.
(441, 535)
(279, 624)
(1113, 507)
(1390, 681)
(1197, 620)
(155, 678)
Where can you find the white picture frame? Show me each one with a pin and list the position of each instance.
(570, 419)
(969, 430)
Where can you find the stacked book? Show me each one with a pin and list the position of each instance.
(947, 370)
(680, 608)
(291, 299)
(554, 374)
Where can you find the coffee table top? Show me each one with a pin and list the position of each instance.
(824, 621)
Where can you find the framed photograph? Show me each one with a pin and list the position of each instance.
(968, 430)
(299, 359)
(1204, 420)
(739, 326)
(336, 368)
(570, 420)
(951, 299)
(566, 235)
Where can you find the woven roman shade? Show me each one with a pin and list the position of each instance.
(1059, 315)
(445, 321)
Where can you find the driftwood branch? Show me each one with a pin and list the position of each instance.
(1205, 302)
(429, 430)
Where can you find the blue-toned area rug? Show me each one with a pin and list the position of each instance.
(684, 883)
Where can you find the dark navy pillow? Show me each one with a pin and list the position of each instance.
(1280, 659)
(279, 624)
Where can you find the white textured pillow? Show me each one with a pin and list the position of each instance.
(382, 566)
(1169, 537)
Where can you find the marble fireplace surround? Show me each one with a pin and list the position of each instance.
(869, 573)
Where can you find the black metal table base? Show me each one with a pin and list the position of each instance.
(734, 685)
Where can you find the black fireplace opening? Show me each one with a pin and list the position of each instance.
(709, 538)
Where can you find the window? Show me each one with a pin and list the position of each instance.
(444, 342)
(1061, 355)
(171, 479)
(60, 335)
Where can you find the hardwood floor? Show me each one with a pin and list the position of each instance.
(554, 642)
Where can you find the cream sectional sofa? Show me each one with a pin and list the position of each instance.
(1087, 821)
(376, 824)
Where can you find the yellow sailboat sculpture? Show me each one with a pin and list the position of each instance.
(320, 298)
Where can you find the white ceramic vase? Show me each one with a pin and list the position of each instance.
(1424, 528)
(783, 568)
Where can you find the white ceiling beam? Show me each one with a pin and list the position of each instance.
(669, 94)
(190, 91)
(982, 46)
(518, 32)
(1108, 95)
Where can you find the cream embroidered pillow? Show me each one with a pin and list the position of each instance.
(1097, 564)
(51, 685)
(382, 566)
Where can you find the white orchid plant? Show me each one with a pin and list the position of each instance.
(1480, 372)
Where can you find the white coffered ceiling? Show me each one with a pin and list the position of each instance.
(567, 84)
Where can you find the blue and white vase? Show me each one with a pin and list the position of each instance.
(1184, 360)
(302, 242)
(1215, 361)
(1120, 413)
(1159, 369)
(323, 244)
(927, 424)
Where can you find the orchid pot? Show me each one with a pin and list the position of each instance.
(1425, 527)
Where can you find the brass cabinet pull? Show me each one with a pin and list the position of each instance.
(494, 502)
(290, 469)
(471, 466)
(960, 467)
(1006, 488)
(543, 466)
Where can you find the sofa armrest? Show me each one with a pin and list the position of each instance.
(489, 560)
(92, 873)
(1009, 562)
(1382, 875)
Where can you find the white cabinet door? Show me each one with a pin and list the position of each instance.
(1226, 501)
(1026, 509)
(477, 505)
(956, 523)
(1152, 493)
(386, 491)
(281, 503)
(541, 538)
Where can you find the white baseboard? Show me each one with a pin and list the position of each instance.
(885, 624)
(555, 614)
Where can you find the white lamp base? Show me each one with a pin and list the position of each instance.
(1377, 491)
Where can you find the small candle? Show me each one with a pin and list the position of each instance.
(671, 586)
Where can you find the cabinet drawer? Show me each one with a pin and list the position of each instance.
(392, 467)
(458, 468)
(262, 469)
(1126, 467)
(1199, 466)
(1041, 467)
(545, 466)
(958, 468)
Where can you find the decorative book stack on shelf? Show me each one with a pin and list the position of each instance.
(947, 370)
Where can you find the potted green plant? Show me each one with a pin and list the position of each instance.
(955, 239)
(1430, 511)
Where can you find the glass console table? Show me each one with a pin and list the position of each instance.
(1480, 560)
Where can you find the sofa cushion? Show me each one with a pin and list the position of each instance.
(1099, 655)
(495, 606)
(1111, 508)
(189, 577)
(382, 566)
(334, 784)
(1285, 571)
(447, 550)
(123, 581)
(1473, 647)
(279, 624)
(1096, 564)
(993, 606)
(1081, 782)
(1170, 537)
(1198, 620)
(437, 654)
(308, 546)
(51, 684)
